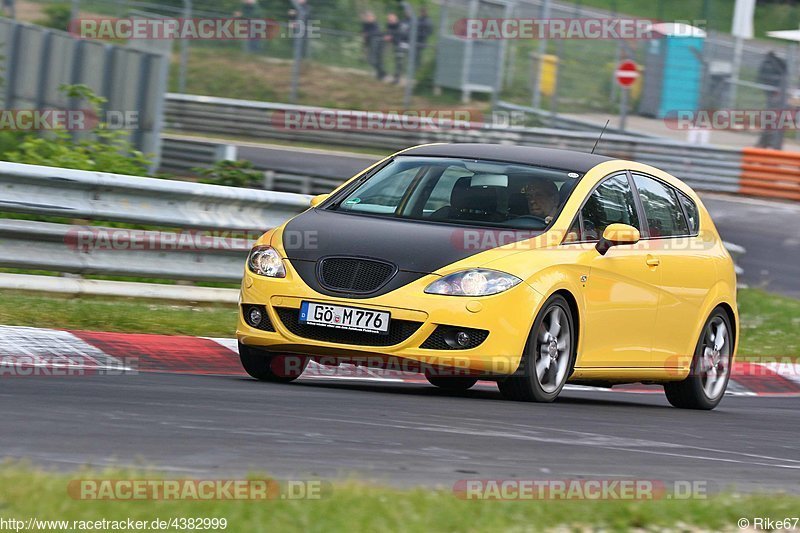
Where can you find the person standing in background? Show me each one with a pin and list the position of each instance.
(397, 35)
(772, 72)
(373, 43)
(8, 9)
(249, 8)
(424, 32)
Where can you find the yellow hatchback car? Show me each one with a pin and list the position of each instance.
(528, 266)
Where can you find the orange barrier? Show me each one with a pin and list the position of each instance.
(770, 173)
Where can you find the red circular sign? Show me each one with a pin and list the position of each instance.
(627, 73)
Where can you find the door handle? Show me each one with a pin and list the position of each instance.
(653, 261)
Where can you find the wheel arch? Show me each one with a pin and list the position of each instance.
(721, 295)
(576, 320)
(734, 323)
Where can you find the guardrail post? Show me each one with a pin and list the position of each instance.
(269, 180)
(225, 152)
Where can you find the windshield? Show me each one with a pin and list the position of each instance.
(462, 191)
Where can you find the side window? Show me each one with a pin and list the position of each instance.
(610, 203)
(691, 211)
(664, 214)
(574, 233)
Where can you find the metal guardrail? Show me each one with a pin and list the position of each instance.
(119, 252)
(702, 167)
(236, 215)
(127, 289)
(550, 120)
(181, 155)
(95, 195)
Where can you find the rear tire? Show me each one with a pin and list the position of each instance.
(454, 384)
(266, 366)
(711, 367)
(548, 357)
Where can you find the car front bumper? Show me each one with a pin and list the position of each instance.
(507, 317)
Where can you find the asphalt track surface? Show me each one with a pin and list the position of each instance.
(768, 230)
(398, 433)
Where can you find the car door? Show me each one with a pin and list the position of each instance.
(621, 290)
(686, 271)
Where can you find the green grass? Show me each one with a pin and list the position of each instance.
(226, 71)
(770, 324)
(117, 314)
(353, 506)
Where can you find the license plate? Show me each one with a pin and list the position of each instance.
(341, 317)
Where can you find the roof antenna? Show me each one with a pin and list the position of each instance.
(600, 136)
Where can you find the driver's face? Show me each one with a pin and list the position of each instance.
(541, 201)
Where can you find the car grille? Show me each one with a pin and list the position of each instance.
(399, 330)
(438, 339)
(353, 274)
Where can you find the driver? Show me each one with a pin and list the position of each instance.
(542, 196)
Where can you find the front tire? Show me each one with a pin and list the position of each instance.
(266, 366)
(711, 367)
(548, 357)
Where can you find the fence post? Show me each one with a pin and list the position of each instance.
(12, 65)
(786, 81)
(735, 68)
(411, 66)
(536, 101)
(298, 50)
(44, 69)
(187, 14)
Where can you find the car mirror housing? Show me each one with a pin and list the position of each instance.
(318, 199)
(615, 235)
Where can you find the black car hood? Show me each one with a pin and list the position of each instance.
(415, 248)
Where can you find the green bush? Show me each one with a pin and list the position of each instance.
(232, 174)
(58, 16)
(99, 148)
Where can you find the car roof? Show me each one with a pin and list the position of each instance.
(527, 155)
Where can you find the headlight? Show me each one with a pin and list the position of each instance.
(476, 282)
(265, 261)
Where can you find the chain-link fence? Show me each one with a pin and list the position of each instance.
(362, 55)
(322, 52)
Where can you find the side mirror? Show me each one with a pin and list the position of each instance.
(616, 234)
(318, 199)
